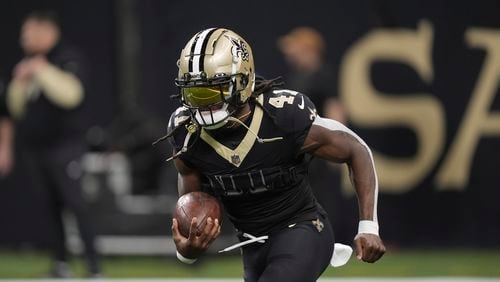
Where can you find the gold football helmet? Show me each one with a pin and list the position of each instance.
(216, 75)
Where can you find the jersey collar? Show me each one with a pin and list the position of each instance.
(236, 156)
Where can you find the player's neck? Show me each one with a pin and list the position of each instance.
(243, 114)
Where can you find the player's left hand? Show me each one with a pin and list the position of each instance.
(369, 247)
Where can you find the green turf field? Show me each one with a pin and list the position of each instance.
(29, 264)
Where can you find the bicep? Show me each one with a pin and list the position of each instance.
(189, 179)
(330, 140)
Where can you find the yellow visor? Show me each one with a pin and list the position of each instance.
(205, 96)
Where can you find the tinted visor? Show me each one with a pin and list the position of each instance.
(205, 96)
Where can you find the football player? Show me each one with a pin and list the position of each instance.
(248, 141)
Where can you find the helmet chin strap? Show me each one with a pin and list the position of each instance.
(222, 122)
(221, 117)
(260, 140)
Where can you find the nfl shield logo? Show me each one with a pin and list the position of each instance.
(235, 159)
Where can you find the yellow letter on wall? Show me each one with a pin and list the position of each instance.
(420, 112)
(455, 172)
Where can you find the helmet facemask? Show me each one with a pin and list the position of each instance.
(211, 101)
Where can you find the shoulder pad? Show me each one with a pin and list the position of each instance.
(291, 109)
(178, 117)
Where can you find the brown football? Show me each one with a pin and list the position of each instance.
(196, 204)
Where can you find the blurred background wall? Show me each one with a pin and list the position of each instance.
(419, 80)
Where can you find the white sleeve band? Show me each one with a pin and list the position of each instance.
(368, 227)
(184, 259)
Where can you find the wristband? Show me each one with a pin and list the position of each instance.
(368, 227)
(184, 259)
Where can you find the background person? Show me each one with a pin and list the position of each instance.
(309, 73)
(304, 50)
(45, 97)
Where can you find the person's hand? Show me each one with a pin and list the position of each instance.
(369, 247)
(37, 63)
(196, 244)
(6, 161)
(23, 71)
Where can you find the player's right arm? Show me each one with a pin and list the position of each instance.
(190, 248)
(330, 140)
(188, 179)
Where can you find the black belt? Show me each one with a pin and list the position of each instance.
(256, 181)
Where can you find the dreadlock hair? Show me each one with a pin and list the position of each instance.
(175, 129)
(262, 85)
(171, 133)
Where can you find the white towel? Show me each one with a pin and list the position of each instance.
(341, 255)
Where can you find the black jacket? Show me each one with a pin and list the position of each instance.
(46, 125)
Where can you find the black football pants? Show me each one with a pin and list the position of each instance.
(300, 253)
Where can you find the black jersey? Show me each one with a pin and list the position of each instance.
(262, 185)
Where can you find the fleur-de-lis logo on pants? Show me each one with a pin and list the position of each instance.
(318, 224)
